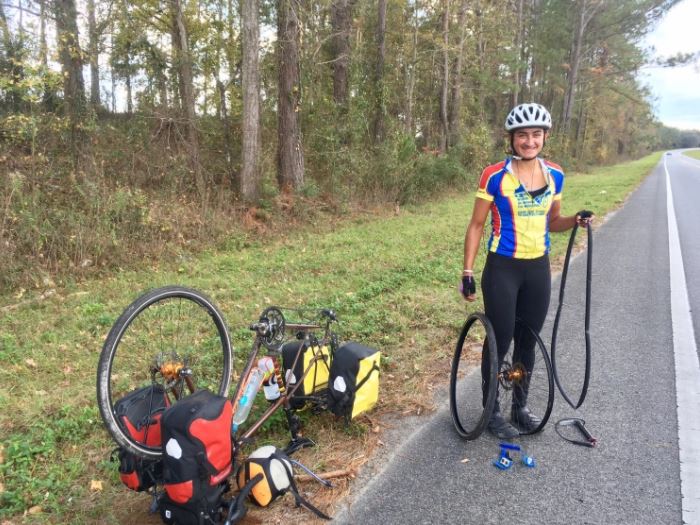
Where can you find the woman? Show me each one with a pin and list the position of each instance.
(523, 194)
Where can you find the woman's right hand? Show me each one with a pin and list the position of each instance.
(468, 287)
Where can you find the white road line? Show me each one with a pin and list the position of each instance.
(687, 372)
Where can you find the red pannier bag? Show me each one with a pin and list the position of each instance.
(139, 413)
(196, 458)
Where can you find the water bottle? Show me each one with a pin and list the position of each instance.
(270, 385)
(246, 402)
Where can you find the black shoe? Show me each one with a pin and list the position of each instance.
(524, 420)
(499, 427)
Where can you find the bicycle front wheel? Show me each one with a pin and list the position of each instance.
(173, 338)
(472, 396)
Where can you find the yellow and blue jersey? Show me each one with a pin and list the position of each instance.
(519, 222)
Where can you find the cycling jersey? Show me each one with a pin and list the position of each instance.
(519, 222)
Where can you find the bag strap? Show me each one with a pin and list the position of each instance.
(204, 466)
(366, 378)
(237, 509)
(298, 498)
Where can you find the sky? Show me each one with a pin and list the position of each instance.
(676, 90)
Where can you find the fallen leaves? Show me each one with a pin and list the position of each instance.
(95, 485)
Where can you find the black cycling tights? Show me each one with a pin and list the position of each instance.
(515, 288)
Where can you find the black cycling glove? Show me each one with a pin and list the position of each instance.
(468, 286)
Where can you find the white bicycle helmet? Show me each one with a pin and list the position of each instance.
(529, 115)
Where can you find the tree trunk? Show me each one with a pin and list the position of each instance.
(481, 59)
(226, 123)
(129, 91)
(183, 64)
(70, 56)
(230, 49)
(290, 156)
(519, 52)
(249, 185)
(580, 132)
(341, 23)
(455, 109)
(526, 72)
(163, 90)
(379, 109)
(572, 76)
(410, 73)
(6, 36)
(444, 127)
(13, 66)
(585, 13)
(93, 55)
(48, 97)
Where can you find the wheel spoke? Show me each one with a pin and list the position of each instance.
(167, 338)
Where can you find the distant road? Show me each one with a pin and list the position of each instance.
(634, 475)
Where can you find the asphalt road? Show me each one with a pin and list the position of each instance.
(633, 475)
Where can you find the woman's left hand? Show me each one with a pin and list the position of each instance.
(584, 217)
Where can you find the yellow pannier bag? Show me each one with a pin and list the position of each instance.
(316, 380)
(353, 385)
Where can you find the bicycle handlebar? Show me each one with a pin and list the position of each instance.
(272, 325)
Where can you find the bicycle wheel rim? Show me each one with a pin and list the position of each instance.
(525, 378)
(163, 329)
(470, 414)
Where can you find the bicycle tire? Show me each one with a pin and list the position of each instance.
(541, 399)
(470, 414)
(153, 307)
(587, 321)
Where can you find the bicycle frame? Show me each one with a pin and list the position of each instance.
(288, 392)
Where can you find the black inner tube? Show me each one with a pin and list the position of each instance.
(580, 424)
(587, 322)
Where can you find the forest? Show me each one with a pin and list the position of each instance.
(146, 129)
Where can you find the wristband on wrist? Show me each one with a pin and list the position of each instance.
(468, 272)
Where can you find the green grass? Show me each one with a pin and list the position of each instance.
(695, 153)
(391, 278)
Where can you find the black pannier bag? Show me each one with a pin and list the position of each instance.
(196, 458)
(353, 385)
(316, 381)
(139, 413)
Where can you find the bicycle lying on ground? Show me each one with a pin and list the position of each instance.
(177, 339)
